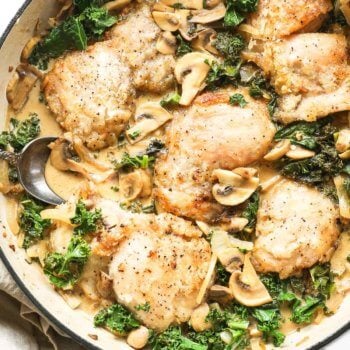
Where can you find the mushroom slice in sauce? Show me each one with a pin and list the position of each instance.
(21, 84)
(208, 16)
(149, 117)
(246, 286)
(166, 43)
(235, 186)
(191, 71)
(204, 41)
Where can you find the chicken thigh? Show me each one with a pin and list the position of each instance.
(276, 18)
(311, 74)
(156, 259)
(136, 38)
(91, 93)
(296, 228)
(211, 134)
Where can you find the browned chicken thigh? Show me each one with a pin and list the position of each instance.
(211, 134)
(311, 74)
(296, 228)
(276, 18)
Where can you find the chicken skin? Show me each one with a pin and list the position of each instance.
(296, 228)
(211, 134)
(136, 38)
(311, 74)
(277, 19)
(91, 94)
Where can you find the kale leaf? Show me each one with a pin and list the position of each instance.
(183, 46)
(31, 223)
(318, 136)
(251, 210)
(222, 73)
(170, 100)
(64, 270)
(303, 312)
(87, 221)
(89, 22)
(21, 132)
(173, 339)
(237, 10)
(269, 321)
(238, 99)
(306, 134)
(128, 162)
(229, 45)
(116, 318)
(222, 276)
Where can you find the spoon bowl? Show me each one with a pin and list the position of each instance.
(30, 165)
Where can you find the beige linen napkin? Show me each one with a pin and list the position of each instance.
(21, 323)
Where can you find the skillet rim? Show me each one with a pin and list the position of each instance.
(42, 308)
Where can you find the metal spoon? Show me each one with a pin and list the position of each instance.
(30, 165)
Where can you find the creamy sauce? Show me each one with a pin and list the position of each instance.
(67, 183)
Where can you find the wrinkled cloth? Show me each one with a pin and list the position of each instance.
(21, 324)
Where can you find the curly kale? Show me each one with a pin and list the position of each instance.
(21, 133)
(116, 318)
(64, 270)
(237, 10)
(31, 223)
(89, 22)
(86, 221)
(173, 339)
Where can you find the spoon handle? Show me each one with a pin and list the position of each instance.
(12, 158)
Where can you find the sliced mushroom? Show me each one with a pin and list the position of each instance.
(134, 184)
(188, 4)
(166, 20)
(104, 285)
(343, 196)
(62, 158)
(220, 294)
(266, 185)
(198, 319)
(234, 187)
(204, 41)
(227, 250)
(246, 286)
(29, 47)
(166, 43)
(191, 71)
(116, 5)
(278, 151)
(343, 141)
(185, 27)
(20, 85)
(138, 338)
(149, 117)
(209, 16)
(297, 153)
(208, 280)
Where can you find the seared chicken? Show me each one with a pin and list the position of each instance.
(211, 134)
(136, 38)
(276, 18)
(157, 259)
(296, 228)
(310, 72)
(91, 93)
